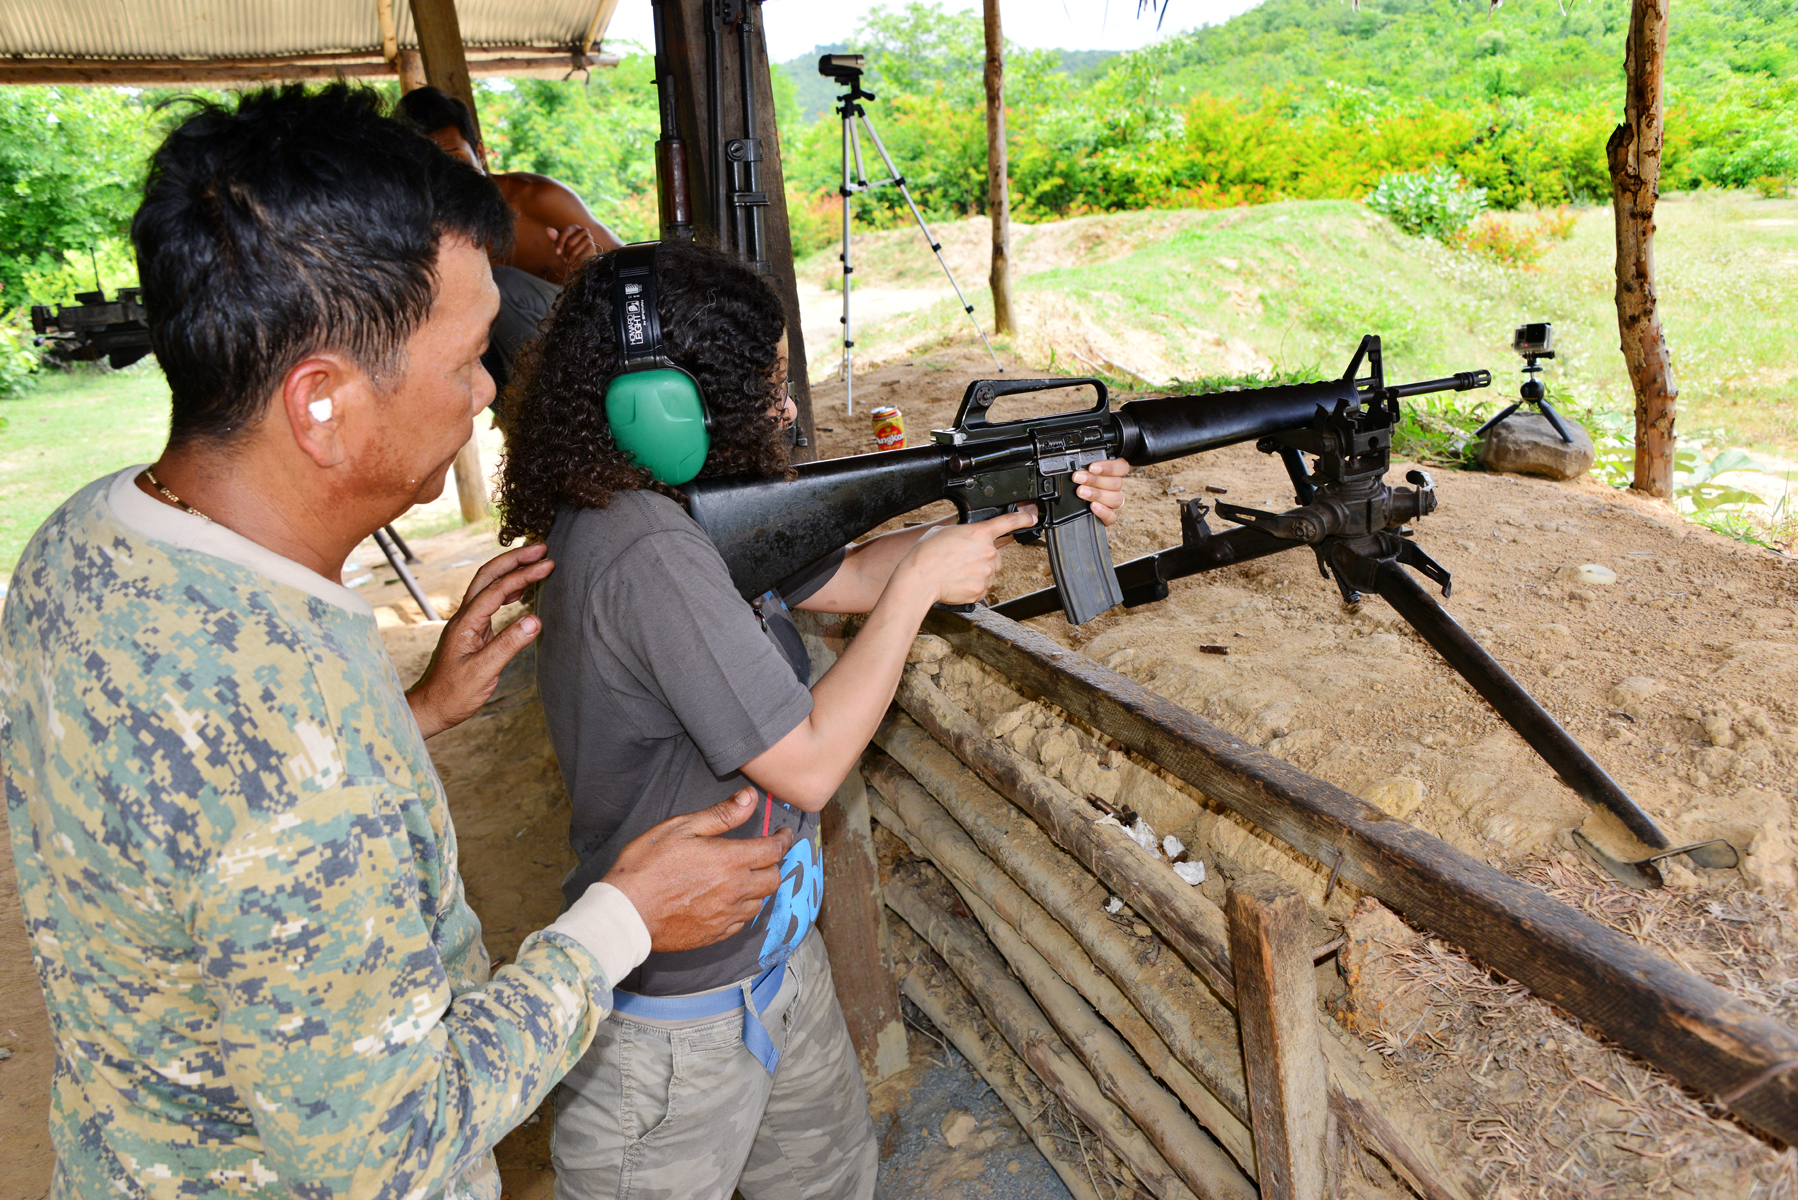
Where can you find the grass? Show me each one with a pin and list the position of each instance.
(1301, 281)
(78, 425)
(72, 428)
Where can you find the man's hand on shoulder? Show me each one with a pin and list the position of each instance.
(465, 666)
(692, 886)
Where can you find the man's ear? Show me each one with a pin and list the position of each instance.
(316, 395)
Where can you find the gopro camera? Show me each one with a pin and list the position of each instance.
(1534, 341)
(845, 68)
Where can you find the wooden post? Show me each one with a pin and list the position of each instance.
(1634, 152)
(1276, 1009)
(998, 193)
(853, 924)
(411, 69)
(446, 68)
(685, 23)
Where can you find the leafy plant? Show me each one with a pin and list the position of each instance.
(1695, 478)
(1513, 243)
(1434, 203)
(18, 356)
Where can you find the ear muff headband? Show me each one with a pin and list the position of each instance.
(656, 410)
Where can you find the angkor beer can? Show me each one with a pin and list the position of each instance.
(889, 428)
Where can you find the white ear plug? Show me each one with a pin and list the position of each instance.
(320, 410)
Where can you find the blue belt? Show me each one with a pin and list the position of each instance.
(752, 996)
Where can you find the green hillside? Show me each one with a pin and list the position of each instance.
(1448, 49)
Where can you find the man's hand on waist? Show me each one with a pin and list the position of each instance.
(694, 887)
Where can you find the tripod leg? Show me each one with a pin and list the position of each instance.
(401, 543)
(1481, 431)
(398, 563)
(848, 269)
(936, 247)
(1554, 418)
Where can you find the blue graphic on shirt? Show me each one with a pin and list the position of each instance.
(794, 905)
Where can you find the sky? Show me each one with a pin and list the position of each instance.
(795, 26)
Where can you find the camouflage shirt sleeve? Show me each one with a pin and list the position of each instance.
(336, 1021)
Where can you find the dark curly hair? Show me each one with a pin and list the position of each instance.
(721, 323)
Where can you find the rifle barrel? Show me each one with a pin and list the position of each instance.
(1170, 427)
(1460, 381)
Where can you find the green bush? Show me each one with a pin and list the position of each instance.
(1434, 203)
(18, 356)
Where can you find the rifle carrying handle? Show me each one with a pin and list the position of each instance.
(1080, 557)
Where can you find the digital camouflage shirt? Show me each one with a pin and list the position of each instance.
(239, 878)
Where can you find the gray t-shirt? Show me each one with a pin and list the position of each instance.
(659, 682)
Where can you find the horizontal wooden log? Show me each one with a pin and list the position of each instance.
(1124, 1080)
(928, 983)
(1183, 1010)
(1016, 1015)
(1191, 924)
(1695, 1031)
(1187, 1013)
(97, 72)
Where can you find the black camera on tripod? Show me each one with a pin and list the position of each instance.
(1533, 342)
(844, 68)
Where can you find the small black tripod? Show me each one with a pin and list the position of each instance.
(1533, 342)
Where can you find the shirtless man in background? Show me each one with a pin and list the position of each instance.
(553, 229)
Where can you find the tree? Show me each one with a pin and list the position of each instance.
(1634, 152)
(71, 172)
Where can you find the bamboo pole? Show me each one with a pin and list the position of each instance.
(1385, 1122)
(998, 192)
(1016, 1015)
(928, 983)
(909, 811)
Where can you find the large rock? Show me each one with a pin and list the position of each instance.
(1526, 444)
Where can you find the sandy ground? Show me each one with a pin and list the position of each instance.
(1681, 677)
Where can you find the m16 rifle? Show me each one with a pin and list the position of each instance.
(1357, 526)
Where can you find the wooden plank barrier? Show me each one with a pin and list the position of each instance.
(1696, 1032)
(986, 840)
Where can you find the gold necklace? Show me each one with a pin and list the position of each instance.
(177, 501)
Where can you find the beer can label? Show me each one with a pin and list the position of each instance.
(889, 428)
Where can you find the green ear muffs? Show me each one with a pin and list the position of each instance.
(657, 413)
(659, 418)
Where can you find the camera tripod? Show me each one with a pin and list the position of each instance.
(846, 69)
(1532, 393)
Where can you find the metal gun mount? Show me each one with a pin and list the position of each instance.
(94, 327)
(1358, 527)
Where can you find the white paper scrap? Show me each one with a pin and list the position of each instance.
(1192, 872)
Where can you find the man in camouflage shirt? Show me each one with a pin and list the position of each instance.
(235, 858)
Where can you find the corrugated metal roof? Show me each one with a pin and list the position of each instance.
(232, 29)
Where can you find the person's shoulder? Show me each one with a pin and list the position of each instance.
(527, 184)
(626, 518)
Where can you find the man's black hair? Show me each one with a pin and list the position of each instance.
(286, 225)
(432, 109)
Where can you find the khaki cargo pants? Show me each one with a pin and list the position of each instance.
(667, 1110)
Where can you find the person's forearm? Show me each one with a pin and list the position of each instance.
(859, 582)
(849, 701)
